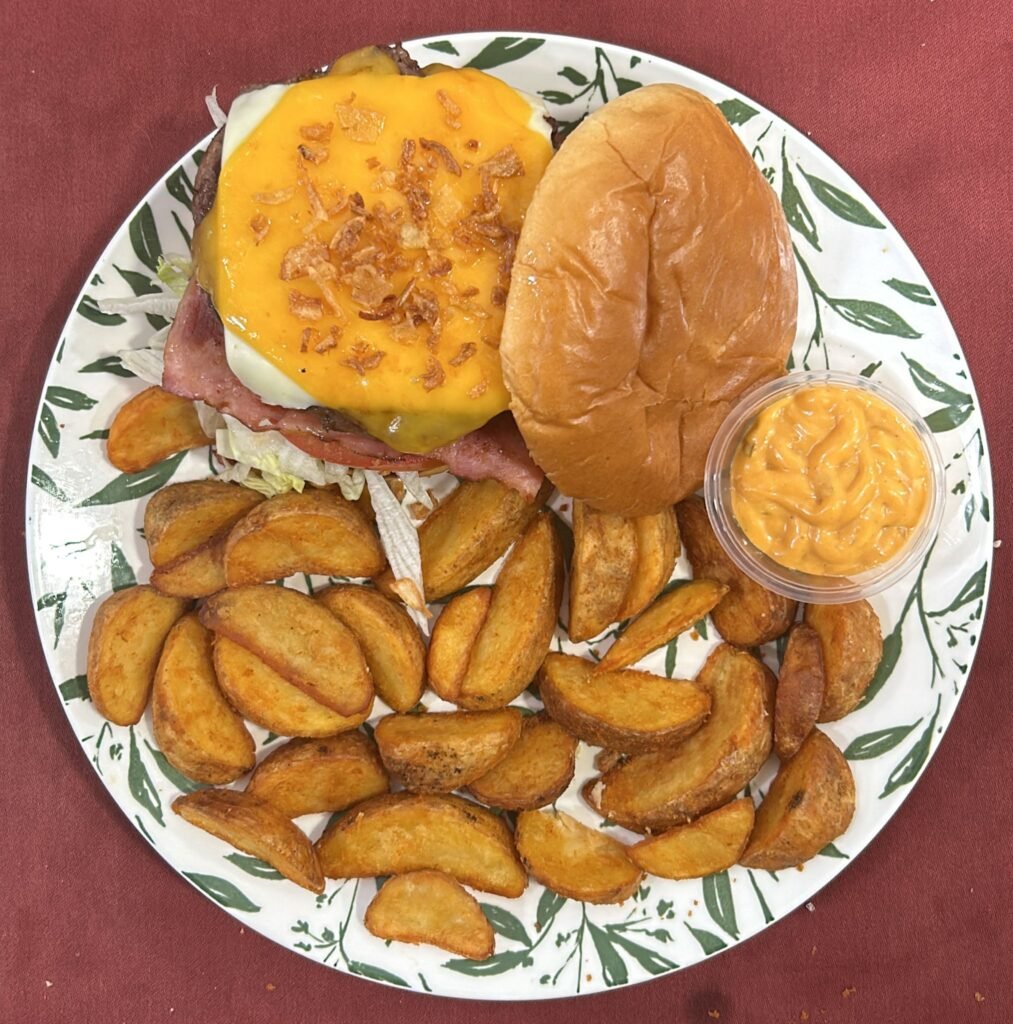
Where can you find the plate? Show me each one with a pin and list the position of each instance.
(865, 307)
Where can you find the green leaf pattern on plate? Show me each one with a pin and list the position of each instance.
(864, 306)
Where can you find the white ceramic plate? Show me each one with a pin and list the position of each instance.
(866, 306)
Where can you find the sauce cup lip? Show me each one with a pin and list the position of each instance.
(801, 586)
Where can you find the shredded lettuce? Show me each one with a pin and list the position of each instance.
(147, 363)
(174, 271)
(214, 108)
(159, 304)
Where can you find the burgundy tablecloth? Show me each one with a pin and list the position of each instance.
(913, 97)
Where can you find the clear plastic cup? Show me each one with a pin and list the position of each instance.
(803, 586)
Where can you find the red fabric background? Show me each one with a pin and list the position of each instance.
(912, 97)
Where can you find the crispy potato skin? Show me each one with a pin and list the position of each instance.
(302, 641)
(258, 693)
(799, 690)
(604, 559)
(255, 827)
(124, 647)
(809, 804)
(194, 725)
(573, 860)
(183, 516)
(536, 770)
(401, 832)
(852, 643)
(430, 908)
(470, 530)
(521, 621)
(654, 792)
(445, 750)
(624, 710)
(390, 641)
(711, 843)
(196, 573)
(150, 427)
(307, 776)
(748, 615)
(658, 548)
(453, 638)
(671, 614)
(316, 531)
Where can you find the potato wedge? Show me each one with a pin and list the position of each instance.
(604, 559)
(259, 694)
(181, 517)
(390, 641)
(401, 832)
(711, 843)
(626, 711)
(852, 641)
(470, 530)
(255, 827)
(748, 615)
(605, 760)
(655, 791)
(196, 573)
(454, 635)
(194, 725)
(302, 641)
(309, 776)
(809, 804)
(658, 549)
(150, 427)
(536, 770)
(573, 860)
(445, 750)
(316, 531)
(430, 908)
(124, 647)
(799, 690)
(522, 617)
(670, 615)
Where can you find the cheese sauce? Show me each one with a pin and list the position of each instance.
(830, 480)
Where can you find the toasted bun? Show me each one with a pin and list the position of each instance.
(654, 283)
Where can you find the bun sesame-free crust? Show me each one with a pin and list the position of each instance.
(654, 283)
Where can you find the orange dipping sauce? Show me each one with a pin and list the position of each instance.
(830, 480)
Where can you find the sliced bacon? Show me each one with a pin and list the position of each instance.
(196, 367)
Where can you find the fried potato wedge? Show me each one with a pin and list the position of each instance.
(259, 694)
(604, 559)
(430, 908)
(302, 641)
(454, 635)
(150, 427)
(624, 710)
(711, 843)
(799, 690)
(317, 531)
(194, 725)
(670, 615)
(470, 530)
(401, 832)
(390, 641)
(573, 860)
(658, 549)
(309, 776)
(181, 517)
(852, 641)
(809, 804)
(655, 791)
(748, 614)
(124, 647)
(255, 827)
(522, 617)
(536, 770)
(444, 750)
(196, 573)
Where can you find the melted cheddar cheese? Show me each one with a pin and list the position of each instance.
(830, 480)
(360, 245)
